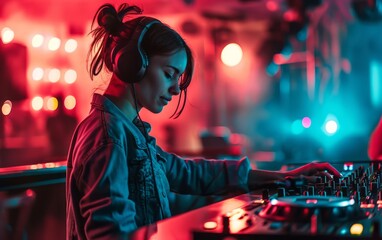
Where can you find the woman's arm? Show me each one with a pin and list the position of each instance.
(309, 172)
(203, 176)
(104, 204)
(200, 176)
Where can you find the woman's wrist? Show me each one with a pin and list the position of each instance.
(258, 178)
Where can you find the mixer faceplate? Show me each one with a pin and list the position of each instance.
(303, 208)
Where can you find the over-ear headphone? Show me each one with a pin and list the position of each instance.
(130, 61)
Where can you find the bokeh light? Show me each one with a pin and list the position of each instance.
(70, 102)
(306, 122)
(331, 127)
(70, 45)
(296, 127)
(231, 54)
(37, 74)
(272, 6)
(7, 35)
(6, 108)
(54, 44)
(54, 75)
(51, 103)
(37, 40)
(37, 103)
(70, 76)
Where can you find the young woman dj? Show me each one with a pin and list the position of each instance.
(118, 178)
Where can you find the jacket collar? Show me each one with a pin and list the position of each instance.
(102, 103)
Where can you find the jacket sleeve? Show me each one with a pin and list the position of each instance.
(105, 206)
(206, 176)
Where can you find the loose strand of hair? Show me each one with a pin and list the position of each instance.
(125, 9)
(178, 111)
(98, 50)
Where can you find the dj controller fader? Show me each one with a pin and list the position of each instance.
(345, 208)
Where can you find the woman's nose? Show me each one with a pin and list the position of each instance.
(175, 89)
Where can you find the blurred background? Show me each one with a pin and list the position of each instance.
(301, 81)
(280, 81)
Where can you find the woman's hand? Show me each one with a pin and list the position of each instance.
(314, 170)
(310, 172)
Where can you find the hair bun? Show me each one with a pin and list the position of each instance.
(109, 20)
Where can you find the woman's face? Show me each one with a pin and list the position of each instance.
(160, 82)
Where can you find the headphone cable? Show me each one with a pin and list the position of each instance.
(146, 136)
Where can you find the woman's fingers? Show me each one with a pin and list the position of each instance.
(328, 168)
(314, 167)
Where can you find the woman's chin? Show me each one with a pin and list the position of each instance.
(157, 110)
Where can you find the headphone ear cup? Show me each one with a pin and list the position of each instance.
(130, 62)
(126, 68)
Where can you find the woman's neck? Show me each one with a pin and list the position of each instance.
(120, 94)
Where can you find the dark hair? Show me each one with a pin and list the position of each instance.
(160, 39)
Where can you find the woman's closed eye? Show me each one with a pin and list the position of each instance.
(170, 76)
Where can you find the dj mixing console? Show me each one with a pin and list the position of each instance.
(346, 208)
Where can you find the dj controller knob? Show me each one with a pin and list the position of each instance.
(281, 192)
(225, 222)
(325, 179)
(333, 184)
(373, 187)
(357, 197)
(322, 193)
(363, 191)
(328, 190)
(311, 190)
(265, 194)
(339, 194)
(347, 180)
(345, 191)
(316, 222)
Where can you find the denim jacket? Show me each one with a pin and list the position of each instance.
(118, 179)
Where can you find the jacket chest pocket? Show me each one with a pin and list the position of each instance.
(138, 165)
(145, 176)
(160, 171)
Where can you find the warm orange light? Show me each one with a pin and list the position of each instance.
(37, 74)
(6, 108)
(54, 44)
(70, 76)
(210, 225)
(54, 75)
(70, 102)
(50, 165)
(36, 166)
(7, 35)
(37, 40)
(51, 104)
(231, 54)
(70, 45)
(356, 229)
(37, 103)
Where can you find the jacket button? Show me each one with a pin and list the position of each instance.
(164, 194)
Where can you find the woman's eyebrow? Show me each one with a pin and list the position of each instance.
(175, 69)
